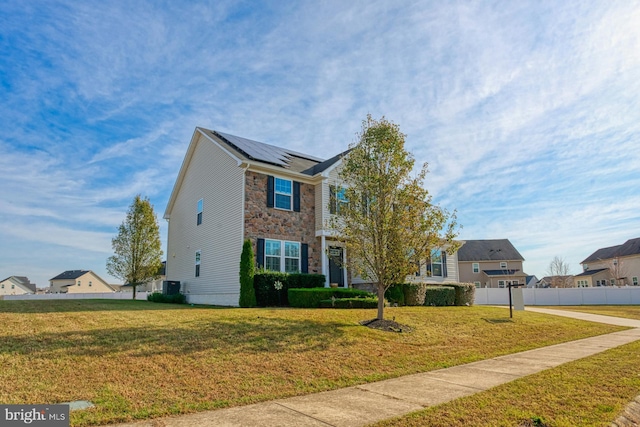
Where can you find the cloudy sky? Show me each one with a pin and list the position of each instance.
(528, 113)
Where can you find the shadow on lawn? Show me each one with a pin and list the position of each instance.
(67, 306)
(229, 337)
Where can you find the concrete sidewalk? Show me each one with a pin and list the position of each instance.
(368, 403)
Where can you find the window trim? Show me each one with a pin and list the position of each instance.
(199, 209)
(276, 193)
(503, 265)
(501, 284)
(198, 262)
(437, 251)
(283, 255)
(475, 267)
(634, 280)
(477, 284)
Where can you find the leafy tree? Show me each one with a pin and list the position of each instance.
(137, 248)
(389, 223)
(247, 270)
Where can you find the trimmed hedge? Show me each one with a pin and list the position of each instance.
(439, 296)
(465, 293)
(350, 303)
(170, 299)
(414, 293)
(310, 298)
(268, 296)
(395, 294)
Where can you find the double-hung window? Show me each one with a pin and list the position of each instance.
(476, 267)
(282, 256)
(634, 280)
(200, 209)
(436, 262)
(503, 265)
(337, 200)
(283, 193)
(198, 255)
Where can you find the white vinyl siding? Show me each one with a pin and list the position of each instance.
(211, 174)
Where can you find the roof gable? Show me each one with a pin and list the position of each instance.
(628, 248)
(488, 250)
(23, 282)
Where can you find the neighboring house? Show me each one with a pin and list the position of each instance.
(78, 282)
(230, 189)
(559, 282)
(490, 263)
(614, 265)
(153, 286)
(17, 285)
(531, 281)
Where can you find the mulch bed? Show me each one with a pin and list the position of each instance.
(386, 325)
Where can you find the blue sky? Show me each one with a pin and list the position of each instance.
(528, 113)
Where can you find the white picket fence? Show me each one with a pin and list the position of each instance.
(562, 296)
(96, 295)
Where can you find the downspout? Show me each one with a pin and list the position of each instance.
(325, 260)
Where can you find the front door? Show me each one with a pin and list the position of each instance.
(336, 257)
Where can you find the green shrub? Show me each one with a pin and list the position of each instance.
(266, 293)
(311, 297)
(268, 296)
(465, 293)
(439, 296)
(395, 294)
(349, 303)
(247, 271)
(171, 299)
(302, 280)
(414, 293)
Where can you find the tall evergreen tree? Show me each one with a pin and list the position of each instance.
(247, 271)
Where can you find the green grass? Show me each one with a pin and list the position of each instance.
(136, 359)
(587, 392)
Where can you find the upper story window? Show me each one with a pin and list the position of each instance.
(79, 282)
(476, 267)
(503, 265)
(200, 209)
(585, 267)
(634, 280)
(198, 255)
(89, 283)
(3, 286)
(337, 200)
(283, 193)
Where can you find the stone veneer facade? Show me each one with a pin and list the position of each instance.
(271, 223)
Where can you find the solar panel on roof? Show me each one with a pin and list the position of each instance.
(264, 152)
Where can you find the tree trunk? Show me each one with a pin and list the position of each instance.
(380, 301)
(134, 291)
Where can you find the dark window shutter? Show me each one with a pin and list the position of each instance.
(304, 258)
(444, 264)
(270, 191)
(296, 196)
(260, 253)
(332, 199)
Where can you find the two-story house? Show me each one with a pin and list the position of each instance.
(490, 263)
(17, 285)
(230, 189)
(614, 265)
(78, 282)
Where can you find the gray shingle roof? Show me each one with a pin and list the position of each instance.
(630, 247)
(70, 274)
(489, 250)
(591, 272)
(501, 272)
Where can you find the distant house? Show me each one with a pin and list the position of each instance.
(558, 282)
(230, 189)
(531, 281)
(79, 282)
(490, 263)
(614, 265)
(153, 286)
(17, 285)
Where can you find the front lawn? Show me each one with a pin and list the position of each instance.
(136, 359)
